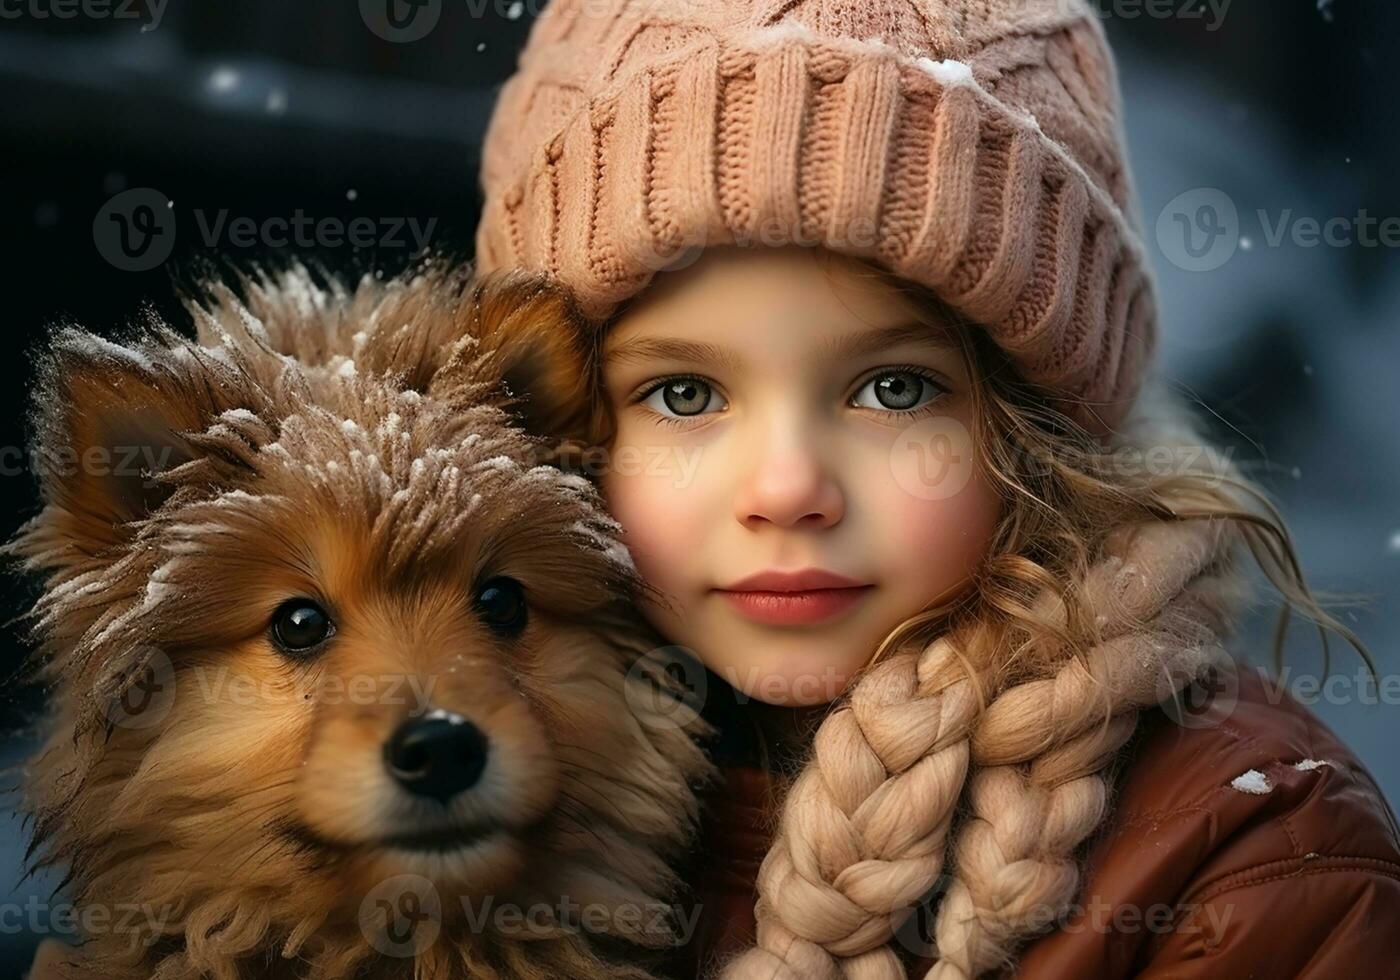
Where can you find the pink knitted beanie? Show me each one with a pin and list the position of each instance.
(972, 146)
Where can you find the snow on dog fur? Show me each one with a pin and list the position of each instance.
(352, 667)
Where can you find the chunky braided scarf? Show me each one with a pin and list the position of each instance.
(865, 828)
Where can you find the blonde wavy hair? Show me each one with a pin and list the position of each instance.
(994, 720)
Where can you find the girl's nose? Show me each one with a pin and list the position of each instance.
(789, 489)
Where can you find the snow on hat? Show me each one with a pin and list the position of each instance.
(972, 146)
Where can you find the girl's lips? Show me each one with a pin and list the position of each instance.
(792, 608)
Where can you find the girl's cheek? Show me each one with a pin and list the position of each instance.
(659, 527)
(933, 545)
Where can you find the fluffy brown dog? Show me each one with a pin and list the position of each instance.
(347, 682)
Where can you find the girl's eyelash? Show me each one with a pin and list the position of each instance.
(672, 421)
(658, 384)
(646, 392)
(932, 377)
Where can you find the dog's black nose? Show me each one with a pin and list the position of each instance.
(438, 755)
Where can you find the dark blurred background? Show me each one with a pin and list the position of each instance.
(1245, 120)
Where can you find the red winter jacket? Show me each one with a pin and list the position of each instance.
(1192, 875)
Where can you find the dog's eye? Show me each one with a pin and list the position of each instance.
(501, 601)
(300, 624)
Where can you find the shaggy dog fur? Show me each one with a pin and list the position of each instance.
(230, 801)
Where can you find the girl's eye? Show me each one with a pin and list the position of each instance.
(899, 390)
(501, 603)
(682, 396)
(299, 625)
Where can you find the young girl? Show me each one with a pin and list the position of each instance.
(869, 320)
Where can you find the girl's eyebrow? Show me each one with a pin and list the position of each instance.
(644, 349)
(874, 341)
(849, 347)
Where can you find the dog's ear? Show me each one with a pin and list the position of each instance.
(108, 420)
(539, 344)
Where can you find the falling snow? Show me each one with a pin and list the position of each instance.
(223, 79)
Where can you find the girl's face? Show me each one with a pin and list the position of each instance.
(783, 410)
